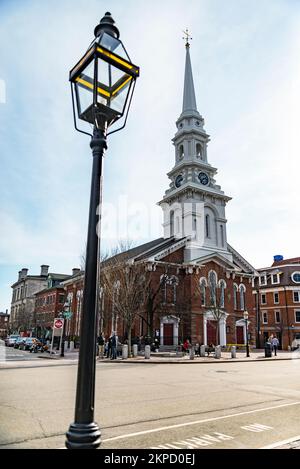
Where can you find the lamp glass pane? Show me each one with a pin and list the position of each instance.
(84, 87)
(113, 45)
(112, 86)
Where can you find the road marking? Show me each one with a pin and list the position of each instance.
(281, 443)
(256, 428)
(186, 424)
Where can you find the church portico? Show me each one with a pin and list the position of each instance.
(210, 325)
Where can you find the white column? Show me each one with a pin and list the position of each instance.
(222, 331)
(175, 338)
(161, 332)
(205, 329)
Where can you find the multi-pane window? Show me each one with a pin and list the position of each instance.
(263, 280)
(296, 295)
(265, 317)
(277, 316)
(297, 316)
(212, 281)
(222, 286)
(235, 290)
(263, 299)
(242, 297)
(276, 298)
(203, 285)
(275, 279)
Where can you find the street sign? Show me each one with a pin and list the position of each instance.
(58, 323)
(68, 315)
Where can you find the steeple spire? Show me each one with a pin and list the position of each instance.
(189, 97)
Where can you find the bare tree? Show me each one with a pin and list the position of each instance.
(125, 283)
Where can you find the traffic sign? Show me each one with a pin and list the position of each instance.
(68, 315)
(58, 323)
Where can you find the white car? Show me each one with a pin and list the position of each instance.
(10, 340)
(296, 342)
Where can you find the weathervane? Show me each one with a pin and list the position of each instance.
(187, 37)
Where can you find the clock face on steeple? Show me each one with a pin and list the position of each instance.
(203, 178)
(178, 180)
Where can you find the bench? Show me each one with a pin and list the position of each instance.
(209, 350)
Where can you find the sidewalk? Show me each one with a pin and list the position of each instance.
(255, 356)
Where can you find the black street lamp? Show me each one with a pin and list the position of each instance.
(103, 84)
(66, 314)
(246, 316)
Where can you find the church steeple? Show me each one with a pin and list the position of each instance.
(189, 97)
(194, 205)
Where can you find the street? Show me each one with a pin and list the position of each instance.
(148, 405)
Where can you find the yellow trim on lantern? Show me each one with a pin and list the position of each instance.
(89, 85)
(121, 86)
(115, 58)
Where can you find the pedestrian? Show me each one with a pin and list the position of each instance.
(100, 342)
(108, 348)
(186, 346)
(275, 343)
(114, 344)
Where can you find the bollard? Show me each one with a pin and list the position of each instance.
(124, 352)
(289, 348)
(218, 351)
(66, 345)
(71, 346)
(202, 351)
(192, 353)
(147, 351)
(233, 352)
(135, 350)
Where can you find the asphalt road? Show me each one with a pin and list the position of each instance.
(164, 406)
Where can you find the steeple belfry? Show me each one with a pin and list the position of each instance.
(194, 205)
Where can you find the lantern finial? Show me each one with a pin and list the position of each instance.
(107, 25)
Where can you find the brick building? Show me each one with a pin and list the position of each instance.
(4, 324)
(277, 298)
(49, 303)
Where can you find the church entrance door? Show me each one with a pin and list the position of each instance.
(240, 335)
(212, 332)
(168, 334)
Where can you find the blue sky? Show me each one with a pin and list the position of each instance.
(245, 58)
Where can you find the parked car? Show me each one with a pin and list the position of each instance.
(19, 342)
(11, 339)
(296, 342)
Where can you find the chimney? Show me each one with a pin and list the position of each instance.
(24, 273)
(75, 271)
(44, 270)
(19, 276)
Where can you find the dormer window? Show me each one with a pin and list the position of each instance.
(263, 280)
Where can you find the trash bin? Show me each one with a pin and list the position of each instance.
(268, 350)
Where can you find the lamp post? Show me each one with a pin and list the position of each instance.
(103, 84)
(246, 316)
(66, 314)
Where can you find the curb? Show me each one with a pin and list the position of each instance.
(190, 362)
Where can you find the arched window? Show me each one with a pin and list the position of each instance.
(172, 223)
(222, 235)
(222, 286)
(169, 288)
(242, 297)
(212, 283)
(235, 290)
(181, 152)
(207, 226)
(199, 151)
(203, 285)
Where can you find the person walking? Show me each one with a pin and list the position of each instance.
(275, 343)
(108, 354)
(114, 344)
(100, 342)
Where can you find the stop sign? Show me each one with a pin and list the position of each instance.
(58, 324)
